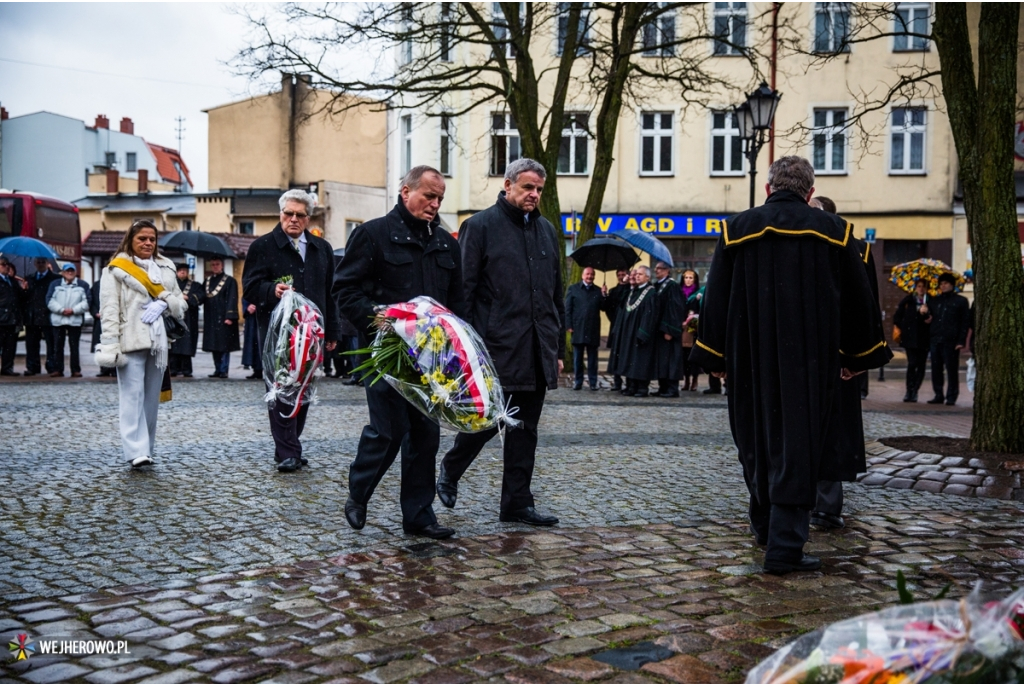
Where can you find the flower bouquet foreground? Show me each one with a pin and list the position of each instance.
(946, 641)
(293, 353)
(436, 361)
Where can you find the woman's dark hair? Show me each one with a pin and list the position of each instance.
(126, 242)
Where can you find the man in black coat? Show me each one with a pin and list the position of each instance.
(948, 335)
(220, 318)
(11, 296)
(612, 307)
(787, 314)
(184, 348)
(583, 302)
(914, 317)
(635, 327)
(389, 260)
(513, 286)
(37, 319)
(290, 252)
(668, 341)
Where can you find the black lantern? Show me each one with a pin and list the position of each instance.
(754, 119)
(762, 103)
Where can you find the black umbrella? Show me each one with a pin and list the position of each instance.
(198, 243)
(605, 254)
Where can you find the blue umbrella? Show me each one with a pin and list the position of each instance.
(27, 247)
(646, 242)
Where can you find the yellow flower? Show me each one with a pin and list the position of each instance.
(424, 380)
(420, 340)
(439, 377)
(489, 382)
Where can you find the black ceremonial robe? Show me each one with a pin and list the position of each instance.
(194, 294)
(787, 304)
(636, 324)
(612, 305)
(221, 304)
(668, 363)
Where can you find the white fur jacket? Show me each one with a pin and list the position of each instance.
(122, 299)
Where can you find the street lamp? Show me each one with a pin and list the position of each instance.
(753, 119)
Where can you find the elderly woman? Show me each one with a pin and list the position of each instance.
(138, 289)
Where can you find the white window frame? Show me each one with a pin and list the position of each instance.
(830, 8)
(186, 224)
(830, 130)
(509, 138)
(657, 134)
(906, 131)
(502, 32)
(577, 136)
(732, 13)
(561, 12)
(445, 15)
(898, 26)
(405, 127)
(405, 47)
(727, 134)
(446, 144)
(663, 31)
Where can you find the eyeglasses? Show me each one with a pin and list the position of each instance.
(296, 215)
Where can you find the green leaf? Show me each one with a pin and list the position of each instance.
(901, 587)
(943, 592)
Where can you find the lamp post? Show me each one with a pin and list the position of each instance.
(754, 118)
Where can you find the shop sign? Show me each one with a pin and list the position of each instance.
(661, 225)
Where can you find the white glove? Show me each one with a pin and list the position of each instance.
(152, 311)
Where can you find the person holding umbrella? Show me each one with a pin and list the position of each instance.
(583, 302)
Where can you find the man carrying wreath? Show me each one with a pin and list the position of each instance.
(290, 257)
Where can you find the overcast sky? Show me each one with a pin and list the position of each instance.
(151, 62)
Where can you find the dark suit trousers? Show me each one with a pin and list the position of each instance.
(396, 425)
(946, 361)
(8, 347)
(287, 431)
(830, 497)
(577, 364)
(520, 450)
(72, 334)
(180, 363)
(917, 361)
(33, 335)
(787, 530)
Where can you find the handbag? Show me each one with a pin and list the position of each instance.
(174, 328)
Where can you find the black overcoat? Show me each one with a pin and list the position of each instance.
(787, 304)
(37, 311)
(951, 316)
(668, 354)
(11, 297)
(194, 295)
(633, 349)
(217, 336)
(394, 259)
(513, 287)
(613, 305)
(272, 257)
(583, 313)
(915, 330)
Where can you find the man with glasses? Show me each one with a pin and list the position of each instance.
(291, 251)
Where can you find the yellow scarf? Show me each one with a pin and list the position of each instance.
(133, 270)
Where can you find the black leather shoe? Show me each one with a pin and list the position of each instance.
(253, 376)
(351, 381)
(290, 464)
(528, 515)
(447, 489)
(355, 514)
(820, 519)
(215, 374)
(709, 391)
(643, 393)
(594, 388)
(30, 373)
(578, 387)
(434, 530)
(781, 568)
(668, 394)
(908, 398)
(950, 402)
(937, 400)
(760, 540)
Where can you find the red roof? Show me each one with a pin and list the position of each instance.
(165, 163)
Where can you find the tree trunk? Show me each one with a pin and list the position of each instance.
(984, 142)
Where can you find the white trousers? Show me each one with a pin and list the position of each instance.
(138, 385)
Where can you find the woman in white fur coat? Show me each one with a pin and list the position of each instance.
(138, 289)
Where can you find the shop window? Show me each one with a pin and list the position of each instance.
(907, 140)
(504, 143)
(730, 28)
(726, 145)
(828, 141)
(656, 144)
(911, 27)
(900, 251)
(831, 27)
(572, 152)
(691, 253)
(659, 34)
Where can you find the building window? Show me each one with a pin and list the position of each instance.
(186, 224)
(111, 159)
(406, 143)
(828, 141)
(656, 144)
(907, 141)
(730, 28)
(659, 34)
(911, 27)
(726, 145)
(350, 225)
(831, 27)
(247, 227)
(447, 32)
(405, 48)
(501, 26)
(504, 143)
(447, 131)
(572, 152)
(129, 162)
(581, 31)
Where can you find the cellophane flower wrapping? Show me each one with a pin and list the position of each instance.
(946, 641)
(293, 353)
(437, 362)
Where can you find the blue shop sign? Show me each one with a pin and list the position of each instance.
(661, 225)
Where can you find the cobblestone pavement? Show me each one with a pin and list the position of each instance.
(217, 568)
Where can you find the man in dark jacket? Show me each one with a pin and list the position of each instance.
(513, 287)
(184, 348)
(948, 335)
(632, 348)
(787, 313)
(583, 302)
(668, 340)
(612, 307)
(914, 317)
(388, 260)
(290, 252)
(220, 318)
(37, 318)
(11, 296)
(97, 328)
